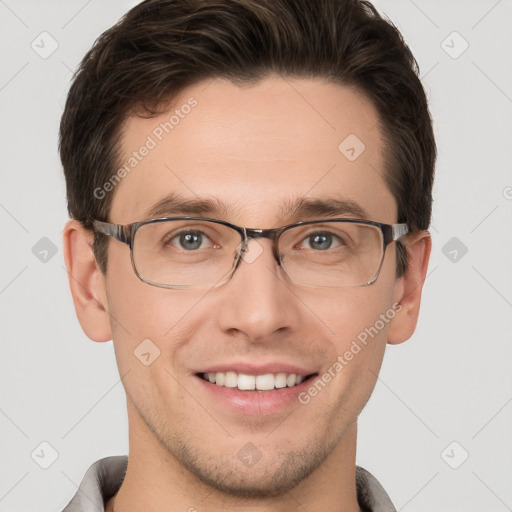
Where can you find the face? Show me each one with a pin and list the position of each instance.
(255, 149)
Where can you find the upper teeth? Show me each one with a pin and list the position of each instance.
(244, 382)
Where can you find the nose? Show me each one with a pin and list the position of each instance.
(256, 302)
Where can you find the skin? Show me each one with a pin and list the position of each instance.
(254, 147)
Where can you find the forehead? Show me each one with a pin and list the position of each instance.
(253, 150)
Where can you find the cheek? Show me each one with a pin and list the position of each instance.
(139, 313)
(352, 314)
(362, 334)
(147, 315)
(150, 328)
(358, 322)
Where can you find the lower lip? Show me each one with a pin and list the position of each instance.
(254, 402)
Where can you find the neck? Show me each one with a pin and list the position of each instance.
(155, 480)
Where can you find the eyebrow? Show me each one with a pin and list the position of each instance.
(292, 210)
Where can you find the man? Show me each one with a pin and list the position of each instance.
(249, 183)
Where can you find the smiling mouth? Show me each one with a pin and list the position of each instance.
(245, 382)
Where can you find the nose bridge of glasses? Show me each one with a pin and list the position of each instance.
(272, 234)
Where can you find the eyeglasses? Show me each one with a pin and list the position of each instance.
(198, 253)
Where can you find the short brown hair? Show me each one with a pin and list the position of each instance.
(161, 47)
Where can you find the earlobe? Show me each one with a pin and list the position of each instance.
(409, 288)
(86, 282)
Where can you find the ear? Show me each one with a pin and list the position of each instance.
(409, 287)
(86, 282)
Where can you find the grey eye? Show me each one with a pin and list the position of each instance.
(320, 241)
(188, 240)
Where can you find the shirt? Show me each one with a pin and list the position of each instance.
(104, 478)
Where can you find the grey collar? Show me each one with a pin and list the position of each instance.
(104, 478)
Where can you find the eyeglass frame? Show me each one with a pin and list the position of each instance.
(125, 233)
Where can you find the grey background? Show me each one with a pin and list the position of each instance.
(451, 382)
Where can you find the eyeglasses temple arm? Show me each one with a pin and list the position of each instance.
(399, 230)
(114, 230)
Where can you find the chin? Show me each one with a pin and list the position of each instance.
(269, 480)
(273, 474)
